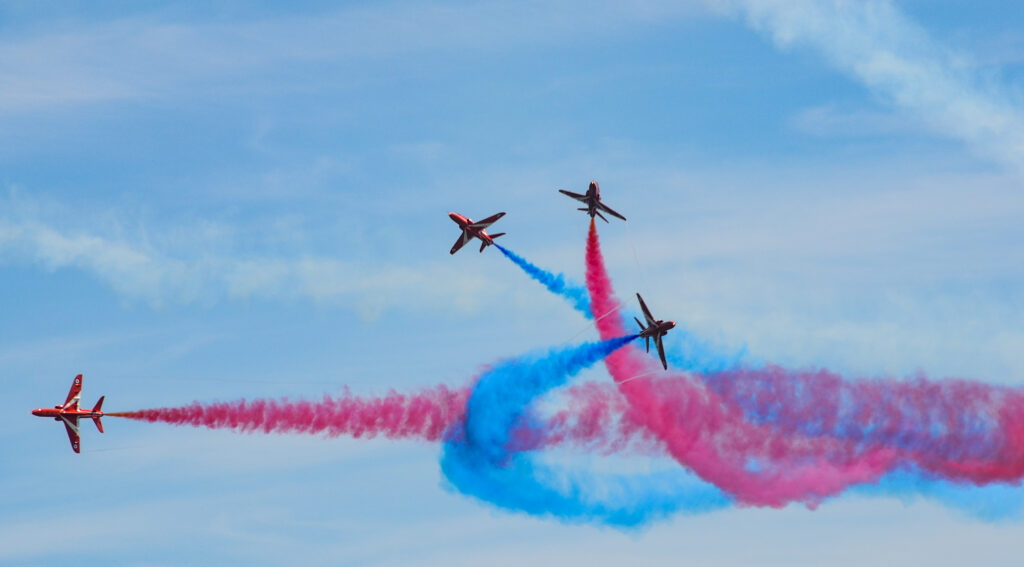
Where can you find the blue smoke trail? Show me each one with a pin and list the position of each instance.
(687, 352)
(684, 349)
(479, 458)
(558, 284)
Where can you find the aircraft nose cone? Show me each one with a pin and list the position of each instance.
(671, 324)
(35, 412)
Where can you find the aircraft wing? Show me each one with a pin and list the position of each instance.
(71, 424)
(461, 241)
(647, 312)
(487, 221)
(661, 350)
(576, 196)
(608, 210)
(75, 394)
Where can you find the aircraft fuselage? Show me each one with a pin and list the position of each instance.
(593, 198)
(56, 413)
(467, 226)
(658, 329)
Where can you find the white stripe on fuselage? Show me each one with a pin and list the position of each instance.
(71, 425)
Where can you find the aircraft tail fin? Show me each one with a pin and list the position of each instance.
(483, 244)
(493, 236)
(642, 328)
(99, 424)
(647, 339)
(99, 404)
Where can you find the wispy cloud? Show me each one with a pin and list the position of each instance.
(147, 57)
(897, 60)
(831, 121)
(177, 267)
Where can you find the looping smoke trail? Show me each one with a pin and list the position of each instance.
(558, 284)
(481, 457)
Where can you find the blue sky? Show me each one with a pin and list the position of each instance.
(250, 200)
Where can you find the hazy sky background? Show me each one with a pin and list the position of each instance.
(250, 200)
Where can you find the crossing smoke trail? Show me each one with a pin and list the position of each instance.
(481, 457)
(763, 436)
(956, 429)
(848, 432)
(558, 284)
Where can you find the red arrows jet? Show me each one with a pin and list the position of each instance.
(472, 230)
(69, 413)
(655, 329)
(593, 201)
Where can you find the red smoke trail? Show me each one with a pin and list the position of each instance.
(424, 415)
(755, 463)
(590, 421)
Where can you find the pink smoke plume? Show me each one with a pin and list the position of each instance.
(755, 463)
(810, 434)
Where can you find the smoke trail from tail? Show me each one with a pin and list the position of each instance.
(692, 353)
(589, 422)
(481, 457)
(558, 284)
(424, 415)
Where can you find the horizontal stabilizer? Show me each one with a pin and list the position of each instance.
(99, 425)
(99, 404)
(487, 221)
(493, 236)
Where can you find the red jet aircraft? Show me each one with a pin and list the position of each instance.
(472, 230)
(69, 413)
(655, 329)
(593, 201)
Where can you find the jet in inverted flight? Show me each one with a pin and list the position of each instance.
(655, 329)
(471, 230)
(69, 413)
(593, 201)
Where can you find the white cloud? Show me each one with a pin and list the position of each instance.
(897, 60)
